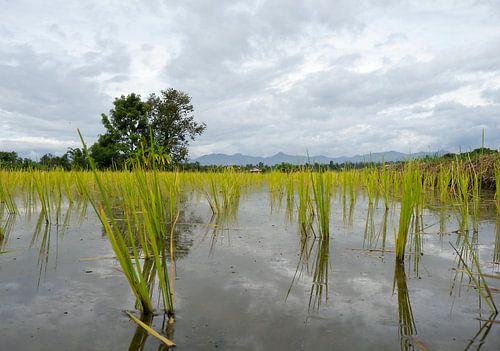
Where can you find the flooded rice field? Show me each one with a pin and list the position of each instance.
(257, 278)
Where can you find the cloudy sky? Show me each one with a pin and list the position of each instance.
(330, 77)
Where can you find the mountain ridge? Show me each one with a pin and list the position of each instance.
(238, 159)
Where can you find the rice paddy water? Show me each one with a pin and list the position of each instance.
(376, 258)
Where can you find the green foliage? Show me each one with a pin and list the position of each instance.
(172, 122)
(167, 116)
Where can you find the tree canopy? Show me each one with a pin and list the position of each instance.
(166, 119)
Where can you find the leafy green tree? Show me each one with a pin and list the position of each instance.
(172, 122)
(49, 161)
(77, 158)
(9, 159)
(165, 120)
(108, 153)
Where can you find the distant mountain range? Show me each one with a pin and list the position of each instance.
(242, 160)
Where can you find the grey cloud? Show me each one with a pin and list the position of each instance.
(47, 97)
(492, 95)
(266, 76)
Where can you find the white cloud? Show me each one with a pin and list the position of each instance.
(333, 79)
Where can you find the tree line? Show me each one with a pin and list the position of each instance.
(162, 122)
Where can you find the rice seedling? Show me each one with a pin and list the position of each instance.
(6, 229)
(7, 186)
(497, 185)
(478, 281)
(223, 192)
(290, 197)
(384, 183)
(147, 189)
(321, 189)
(370, 176)
(409, 181)
(462, 184)
(305, 210)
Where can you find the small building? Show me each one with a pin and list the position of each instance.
(255, 170)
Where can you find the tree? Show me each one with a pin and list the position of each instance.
(166, 120)
(49, 161)
(9, 159)
(77, 158)
(172, 122)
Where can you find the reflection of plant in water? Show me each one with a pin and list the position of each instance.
(315, 260)
(374, 239)
(141, 335)
(305, 210)
(219, 224)
(44, 250)
(483, 331)
(416, 240)
(321, 184)
(467, 262)
(407, 328)
(319, 287)
(370, 237)
(6, 229)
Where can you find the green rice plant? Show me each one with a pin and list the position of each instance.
(43, 190)
(290, 196)
(462, 184)
(7, 188)
(305, 210)
(497, 185)
(6, 228)
(478, 281)
(384, 183)
(321, 189)
(410, 179)
(370, 177)
(148, 191)
(476, 199)
(223, 191)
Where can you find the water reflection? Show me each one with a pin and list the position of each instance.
(140, 337)
(5, 229)
(478, 340)
(314, 258)
(407, 329)
(374, 239)
(218, 229)
(319, 286)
